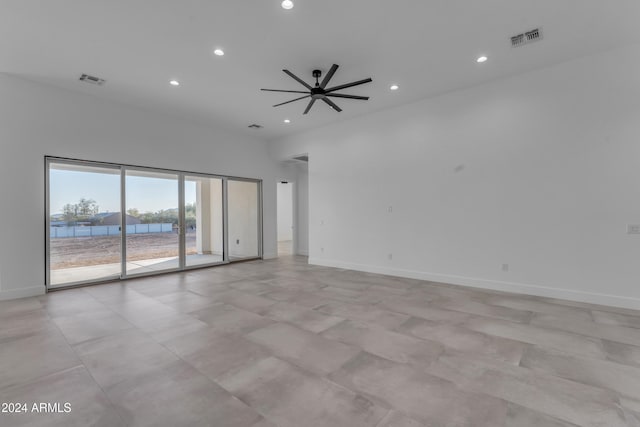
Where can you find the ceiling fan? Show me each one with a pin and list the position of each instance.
(320, 90)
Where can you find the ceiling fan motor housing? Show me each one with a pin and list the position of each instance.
(320, 91)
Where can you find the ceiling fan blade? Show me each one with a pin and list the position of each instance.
(298, 79)
(309, 106)
(330, 74)
(289, 91)
(332, 104)
(339, 95)
(293, 100)
(344, 86)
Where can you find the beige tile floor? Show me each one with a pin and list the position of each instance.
(282, 343)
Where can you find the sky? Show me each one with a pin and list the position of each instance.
(143, 193)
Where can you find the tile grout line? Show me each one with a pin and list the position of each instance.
(106, 396)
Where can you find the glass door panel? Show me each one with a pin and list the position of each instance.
(152, 239)
(203, 220)
(84, 223)
(243, 215)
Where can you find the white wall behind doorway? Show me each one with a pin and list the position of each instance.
(285, 211)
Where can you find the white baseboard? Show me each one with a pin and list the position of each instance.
(303, 253)
(22, 292)
(517, 288)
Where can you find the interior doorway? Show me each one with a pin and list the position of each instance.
(285, 219)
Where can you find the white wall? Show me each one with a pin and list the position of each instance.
(38, 120)
(302, 210)
(540, 171)
(285, 211)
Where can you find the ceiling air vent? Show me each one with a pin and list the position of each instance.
(255, 126)
(527, 37)
(92, 79)
(302, 158)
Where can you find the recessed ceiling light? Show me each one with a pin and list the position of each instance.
(287, 121)
(481, 59)
(394, 87)
(287, 4)
(174, 83)
(219, 52)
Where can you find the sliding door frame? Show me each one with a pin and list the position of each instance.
(73, 162)
(260, 220)
(179, 176)
(225, 258)
(122, 168)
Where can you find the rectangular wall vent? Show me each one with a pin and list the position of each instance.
(255, 126)
(526, 37)
(92, 79)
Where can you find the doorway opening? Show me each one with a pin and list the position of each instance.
(285, 218)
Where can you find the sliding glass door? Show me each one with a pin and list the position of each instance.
(152, 234)
(203, 221)
(83, 223)
(244, 234)
(107, 221)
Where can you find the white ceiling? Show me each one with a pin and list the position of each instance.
(428, 47)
